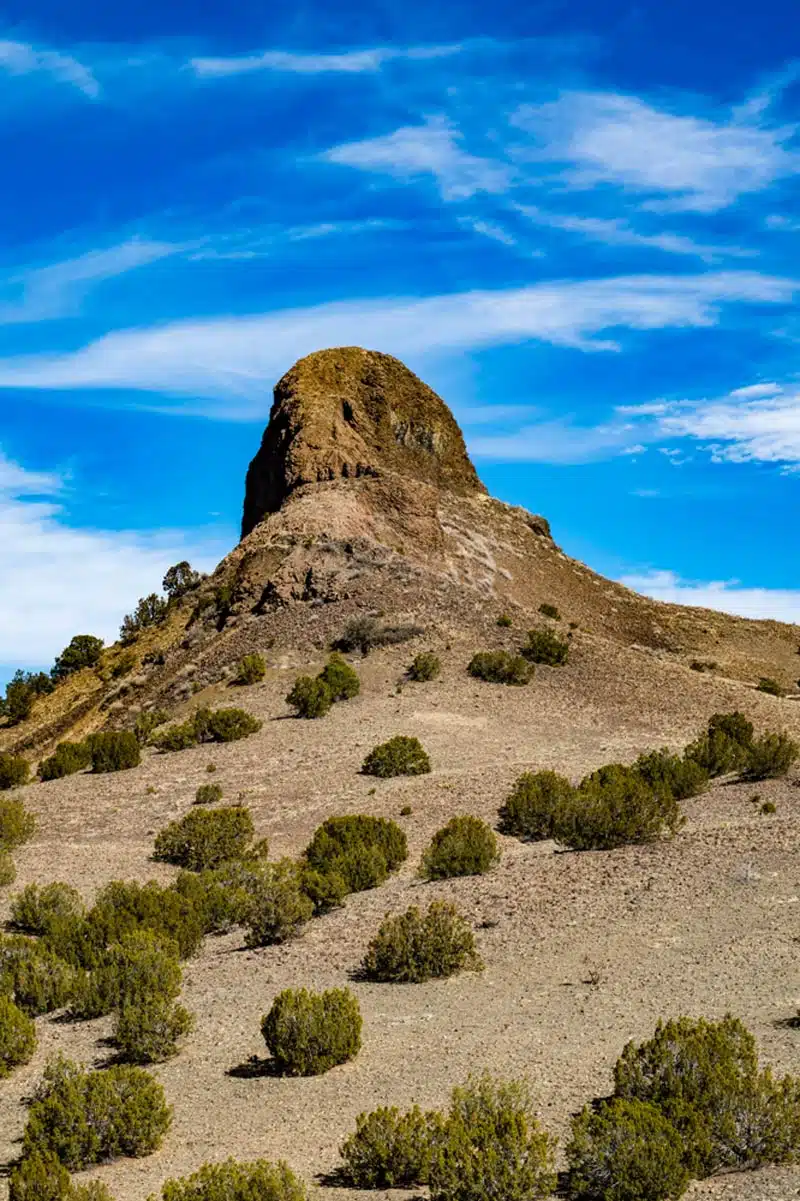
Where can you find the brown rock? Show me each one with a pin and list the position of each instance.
(349, 412)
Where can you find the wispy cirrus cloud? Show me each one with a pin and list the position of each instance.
(759, 423)
(23, 58)
(58, 289)
(348, 62)
(225, 366)
(56, 578)
(726, 596)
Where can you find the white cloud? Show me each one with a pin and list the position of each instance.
(56, 580)
(615, 232)
(21, 58)
(350, 62)
(433, 148)
(236, 359)
(682, 162)
(558, 442)
(726, 596)
(760, 423)
(44, 293)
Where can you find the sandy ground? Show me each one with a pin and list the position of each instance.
(582, 952)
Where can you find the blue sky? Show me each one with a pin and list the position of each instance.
(579, 223)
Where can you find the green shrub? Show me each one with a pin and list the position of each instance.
(466, 846)
(768, 807)
(141, 966)
(14, 770)
(499, 667)
(83, 651)
(69, 757)
(492, 1145)
(325, 890)
(21, 692)
(625, 1150)
(17, 1036)
(114, 750)
(770, 686)
(277, 907)
(504, 621)
(204, 838)
(310, 697)
(231, 1181)
(150, 611)
(8, 869)
(40, 1178)
(400, 756)
(725, 745)
(251, 669)
(548, 610)
(361, 849)
(614, 807)
(219, 898)
(390, 1149)
(176, 738)
(147, 722)
(86, 1117)
(208, 794)
(682, 777)
(704, 1077)
(151, 1029)
(411, 947)
(36, 979)
(17, 825)
(770, 756)
(180, 579)
(309, 1033)
(424, 666)
(37, 908)
(342, 679)
(365, 633)
(545, 646)
(229, 725)
(537, 805)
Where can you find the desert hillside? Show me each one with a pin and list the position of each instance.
(362, 503)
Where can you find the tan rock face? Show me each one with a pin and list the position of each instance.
(349, 412)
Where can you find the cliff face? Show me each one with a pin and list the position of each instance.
(345, 413)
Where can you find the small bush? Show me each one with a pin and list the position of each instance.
(492, 1145)
(390, 1149)
(400, 756)
(682, 777)
(17, 825)
(176, 738)
(180, 579)
(768, 808)
(704, 1077)
(151, 1029)
(231, 1181)
(251, 669)
(40, 1178)
(14, 770)
(499, 667)
(86, 1117)
(406, 811)
(365, 633)
(69, 757)
(325, 890)
(425, 666)
(310, 697)
(537, 805)
(361, 849)
(141, 966)
(17, 1036)
(770, 686)
(204, 838)
(83, 651)
(770, 756)
(341, 679)
(114, 750)
(36, 979)
(625, 1150)
(504, 621)
(8, 869)
(277, 906)
(548, 610)
(412, 946)
(229, 725)
(147, 723)
(614, 807)
(544, 646)
(37, 909)
(725, 745)
(309, 1033)
(466, 846)
(208, 794)
(150, 611)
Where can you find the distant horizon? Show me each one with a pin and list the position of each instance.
(579, 227)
